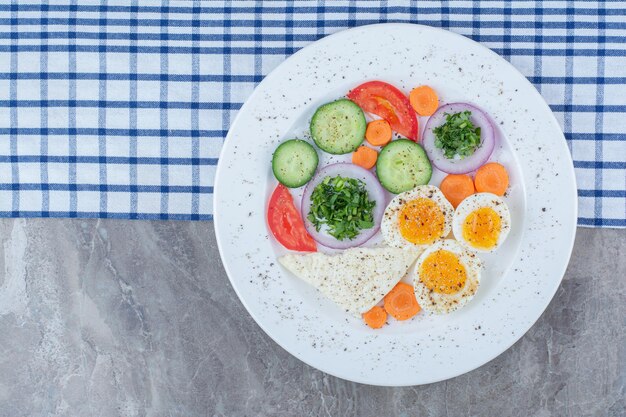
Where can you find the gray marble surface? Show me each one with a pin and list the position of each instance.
(118, 318)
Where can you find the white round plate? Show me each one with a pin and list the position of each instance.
(518, 281)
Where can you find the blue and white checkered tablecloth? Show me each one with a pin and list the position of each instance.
(119, 109)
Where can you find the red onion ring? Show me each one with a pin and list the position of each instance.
(374, 190)
(467, 164)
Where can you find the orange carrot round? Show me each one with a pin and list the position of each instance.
(375, 317)
(492, 178)
(378, 132)
(457, 188)
(365, 157)
(424, 100)
(401, 303)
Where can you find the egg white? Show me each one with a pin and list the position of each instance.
(474, 202)
(389, 226)
(440, 303)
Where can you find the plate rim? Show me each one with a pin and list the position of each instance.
(512, 340)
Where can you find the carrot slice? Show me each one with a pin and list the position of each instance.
(401, 303)
(378, 132)
(375, 317)
(365, 157)
(424, 100)
(457, 188)
(492, 178)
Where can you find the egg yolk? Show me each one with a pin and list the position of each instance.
(421, 221)
(443, 272)
(481, 228)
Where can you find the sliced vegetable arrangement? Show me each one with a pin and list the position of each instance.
(492, 178)
(376, 317)
(365, 157)
(424, 100)
(286, 224)
(344, 204)
(378, 132)
(386, 101)
(454, 128)
(401, 303)
(335, 189)
(457, 136)
(403, 165)
(294, 163)
(338, 127)
(457, 187)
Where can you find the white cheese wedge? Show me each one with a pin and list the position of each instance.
(356, 279)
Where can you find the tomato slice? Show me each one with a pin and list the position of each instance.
(386, 101)
(286, 223)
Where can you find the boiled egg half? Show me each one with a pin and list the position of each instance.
(446, 276)
(417, 218)
(482, 222)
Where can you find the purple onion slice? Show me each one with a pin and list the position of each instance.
(457, 165)
(374, 190)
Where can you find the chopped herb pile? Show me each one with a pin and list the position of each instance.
(458, 135)
(343, 205)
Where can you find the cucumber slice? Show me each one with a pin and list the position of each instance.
(294, 162)
(403, 165)
(338, 127)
